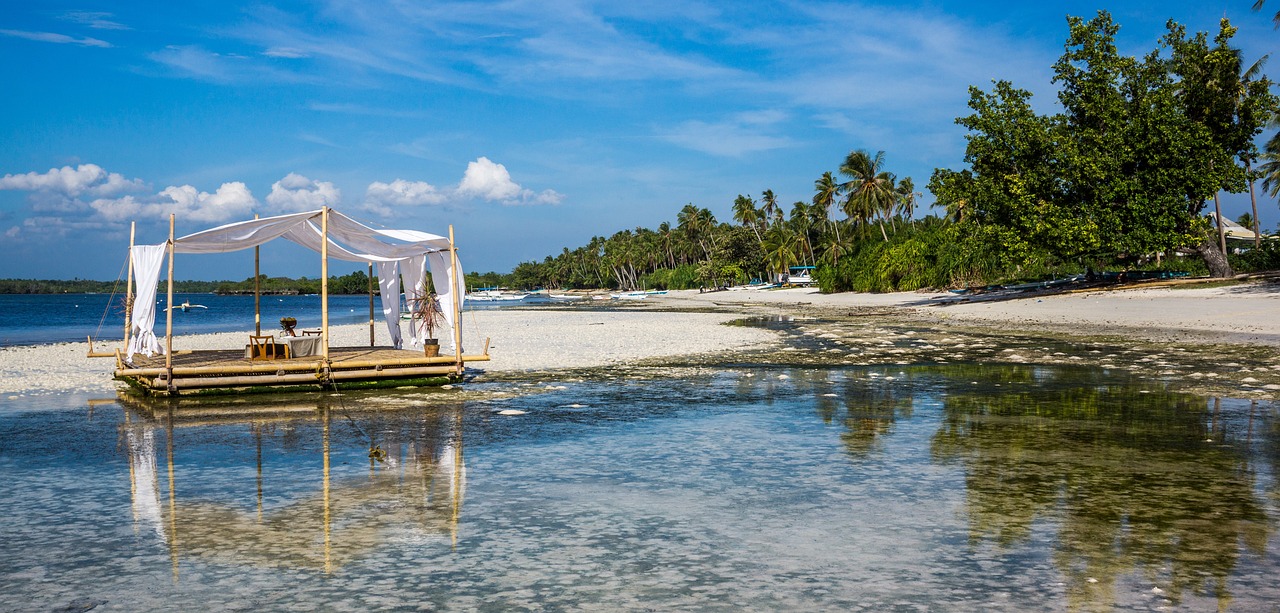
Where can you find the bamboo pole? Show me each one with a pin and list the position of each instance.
(168, 318)
(324, 283)
(128, 289)
(388, 366)
(300, 378)
(257, 290)
(371, 341)
(457, 301)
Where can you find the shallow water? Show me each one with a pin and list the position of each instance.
(878, 488)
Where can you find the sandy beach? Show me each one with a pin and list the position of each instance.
(1246, 313)
(550, 339)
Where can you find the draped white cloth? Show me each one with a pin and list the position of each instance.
(349, 240)
(413, 270)
(147, 260)
(447, 287)
(389, 290)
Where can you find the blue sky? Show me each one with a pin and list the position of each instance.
(530, 126)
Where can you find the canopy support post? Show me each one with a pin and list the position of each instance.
(371, 341)
(457, 302)
(257, 291)
(128, 290)
(324, 284)
(168, 317)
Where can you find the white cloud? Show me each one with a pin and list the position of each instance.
(380, 197)
(286, 52)
(72, 182)
(231, 201)
(490, 181)
(94, 19)
(736, 136)
(12, 232)
(295, 193)
(52, 37)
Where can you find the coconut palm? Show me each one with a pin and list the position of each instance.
(826, 193)
(746, 213)
(769, 208)
(907, 197)
(870, 189)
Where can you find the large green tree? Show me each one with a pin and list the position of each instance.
(1126, 167)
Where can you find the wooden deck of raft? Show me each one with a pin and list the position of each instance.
(229, 370)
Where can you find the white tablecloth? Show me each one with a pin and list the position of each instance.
(303, 346)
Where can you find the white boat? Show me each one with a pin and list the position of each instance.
(186, 306)
(495, 295)
(630, 296)
(564, 297)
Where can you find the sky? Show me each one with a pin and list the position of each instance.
(530, 126)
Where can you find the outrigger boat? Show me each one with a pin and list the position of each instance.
(155, 368)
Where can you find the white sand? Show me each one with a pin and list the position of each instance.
(521, 340)
(1247, 313)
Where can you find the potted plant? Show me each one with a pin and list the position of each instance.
(427, 318)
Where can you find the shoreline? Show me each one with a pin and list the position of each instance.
(687, 323)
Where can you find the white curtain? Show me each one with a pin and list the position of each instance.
(413, 272)
(147, 260)
(447, 287)
(389, 290)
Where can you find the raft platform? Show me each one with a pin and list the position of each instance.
(229, 371)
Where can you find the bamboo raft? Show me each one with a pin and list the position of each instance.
(228, 371)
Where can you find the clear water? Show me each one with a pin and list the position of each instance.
(877, 488)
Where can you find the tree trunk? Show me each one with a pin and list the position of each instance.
(1217, 262)
(1222, 228)
(1253, 198)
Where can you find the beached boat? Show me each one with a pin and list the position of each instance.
(153, 367)
(564, 297)
(496, 295)
(630, 296)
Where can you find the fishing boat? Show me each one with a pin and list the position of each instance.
(630, 295)
(186, 306)
(496, 295)
(564, 297)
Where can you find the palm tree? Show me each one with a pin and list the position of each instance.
(769, 208)
(780, 248)
(870, 188)
(827, 191)
(906, 197)
(746, 213)
(834, 247)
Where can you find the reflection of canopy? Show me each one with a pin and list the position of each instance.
(396, 252)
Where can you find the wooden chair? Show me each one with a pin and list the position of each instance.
(264, 347)
(311, 333)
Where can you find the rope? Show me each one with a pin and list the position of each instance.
(116, 286)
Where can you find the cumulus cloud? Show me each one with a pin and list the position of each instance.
(231, 201)
(490, 181)
(72, 182)
(296, 193)
(380, 197)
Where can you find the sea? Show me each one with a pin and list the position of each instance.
(32, 319)
(796, 479)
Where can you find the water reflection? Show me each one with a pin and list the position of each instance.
(301, 515)
(1138, 479)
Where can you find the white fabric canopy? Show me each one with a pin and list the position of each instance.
(348, 240)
